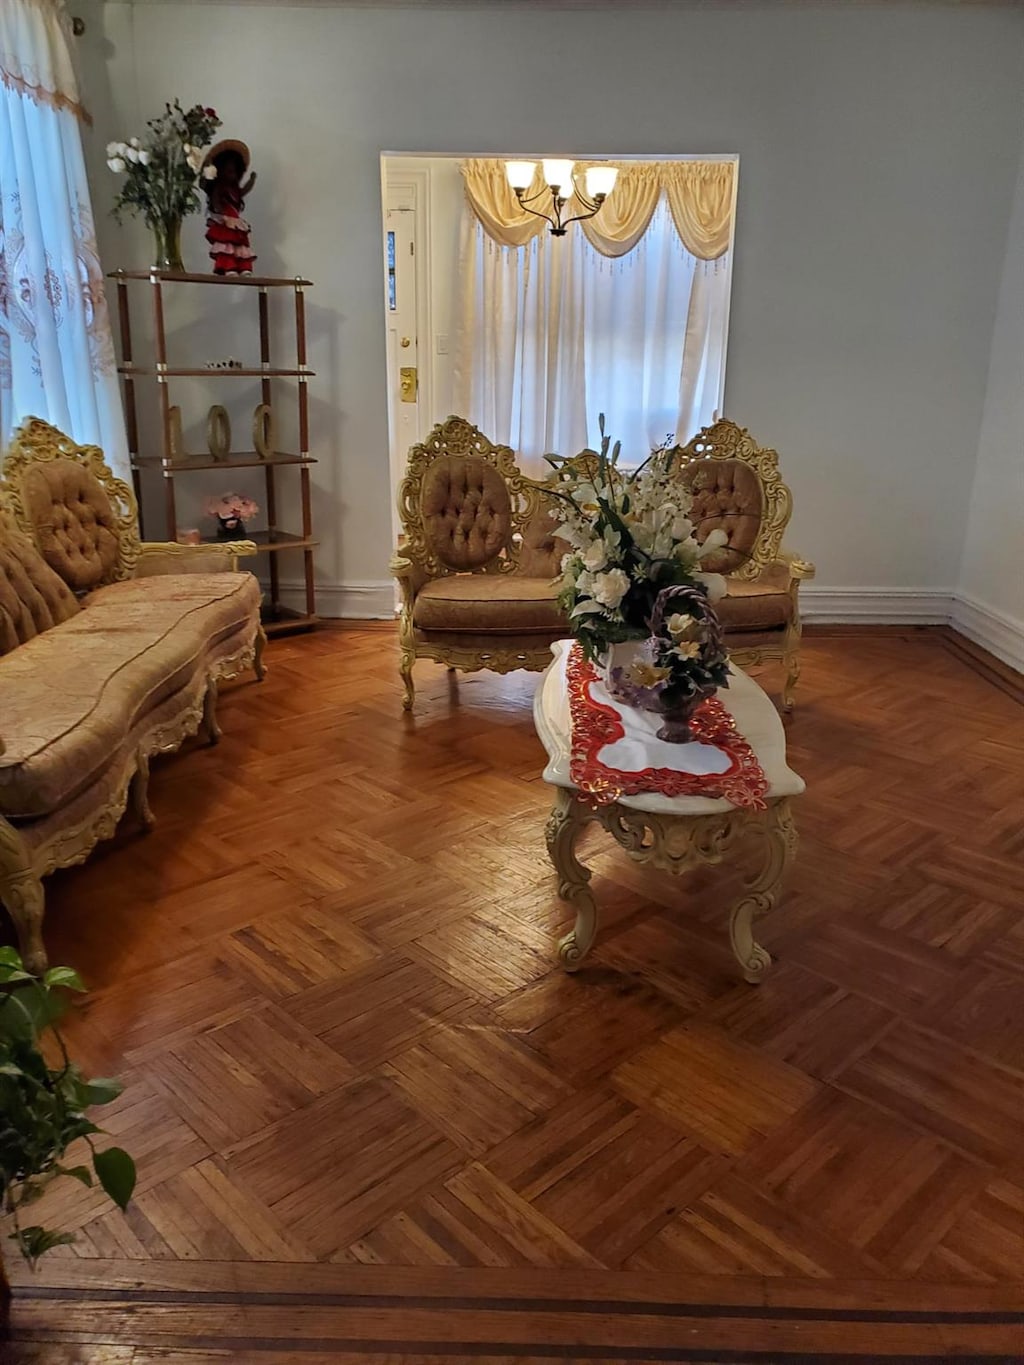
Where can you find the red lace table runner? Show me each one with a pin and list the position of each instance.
(596, 724)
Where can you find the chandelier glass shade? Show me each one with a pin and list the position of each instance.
(561, 184)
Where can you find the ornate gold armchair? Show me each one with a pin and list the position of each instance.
(477, 561)
(736, 486)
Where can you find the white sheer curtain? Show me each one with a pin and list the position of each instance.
(553, 333)
(56, 354)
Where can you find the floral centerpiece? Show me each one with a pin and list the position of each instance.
(633, 588)
(232, 511)
(162, 172)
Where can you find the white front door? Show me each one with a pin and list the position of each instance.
(400, 311)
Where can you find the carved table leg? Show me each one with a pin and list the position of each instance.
(138, 795)
(777, 836)
(210, 726)
(567, 818)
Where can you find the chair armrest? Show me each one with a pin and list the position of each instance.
(165, 557)
(798, 568)
(411, 576)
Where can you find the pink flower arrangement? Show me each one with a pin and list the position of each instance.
(232, 507)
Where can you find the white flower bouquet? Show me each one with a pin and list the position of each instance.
(633, 550)
(163, 170)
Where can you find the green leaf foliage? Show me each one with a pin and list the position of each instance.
(115, 1170)
(42, 1107)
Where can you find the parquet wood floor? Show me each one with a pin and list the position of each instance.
(374, 1121)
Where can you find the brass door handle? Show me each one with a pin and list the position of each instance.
(406, 341)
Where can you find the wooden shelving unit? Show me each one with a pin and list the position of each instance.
(274, 540)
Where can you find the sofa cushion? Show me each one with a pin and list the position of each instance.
(498, 604)
(72, 520)
(70, 696)
(756, 604)
(32, 597)
(727, 496)
(466, 511)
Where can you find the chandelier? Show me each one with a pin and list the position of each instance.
(561, 184)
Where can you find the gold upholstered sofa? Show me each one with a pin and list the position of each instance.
(479, 558)
(111, 651)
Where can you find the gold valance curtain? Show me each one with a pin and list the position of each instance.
(699, 194)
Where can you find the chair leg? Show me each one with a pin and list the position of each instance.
(405, 668)
(21, 891)
(791, 663)
(259, 667)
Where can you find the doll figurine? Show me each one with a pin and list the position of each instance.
(224, 168)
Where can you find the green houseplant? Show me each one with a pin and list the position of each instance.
(43, 1106)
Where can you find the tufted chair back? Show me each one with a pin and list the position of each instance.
(726, 496)
(72, 521)
(466, 511)
(736, 488)
(81, 518)
(464, 504)
(32, 597)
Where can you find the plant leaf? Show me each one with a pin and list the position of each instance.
(81, 1173)
(64, 976)
(34, 1241)
(115, 1171)
(100, 1091)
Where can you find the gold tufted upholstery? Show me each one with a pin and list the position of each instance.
(736, 487)
(90, 690)
(726, 496)
(466, 511)
(73, 522)
(476, 559)
(32, 597)
(476, 580)
(69, 697)
(498, 604)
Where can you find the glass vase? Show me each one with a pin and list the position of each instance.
(167, 244)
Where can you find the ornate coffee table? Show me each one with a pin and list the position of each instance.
(673, 833)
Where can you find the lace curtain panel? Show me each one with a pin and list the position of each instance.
(620, 316)
(56, 352)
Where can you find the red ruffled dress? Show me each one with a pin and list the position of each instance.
(228, 235)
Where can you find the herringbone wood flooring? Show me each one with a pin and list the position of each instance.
(375, 1121)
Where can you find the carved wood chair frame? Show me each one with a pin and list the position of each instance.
(724, 440)
(415, 564)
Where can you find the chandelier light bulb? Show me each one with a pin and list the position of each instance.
(558, 174)
(600, 181)
(520, 173)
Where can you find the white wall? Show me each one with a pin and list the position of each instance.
(991, 589)
(878, 154)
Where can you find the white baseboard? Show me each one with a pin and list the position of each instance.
(366, 600)
(996, 631)
(876, 606)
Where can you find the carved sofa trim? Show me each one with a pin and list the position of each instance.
(111, 651)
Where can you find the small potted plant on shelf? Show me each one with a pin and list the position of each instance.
(43, 1108)
(633, 588)
(162, 172)
(232, 511)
